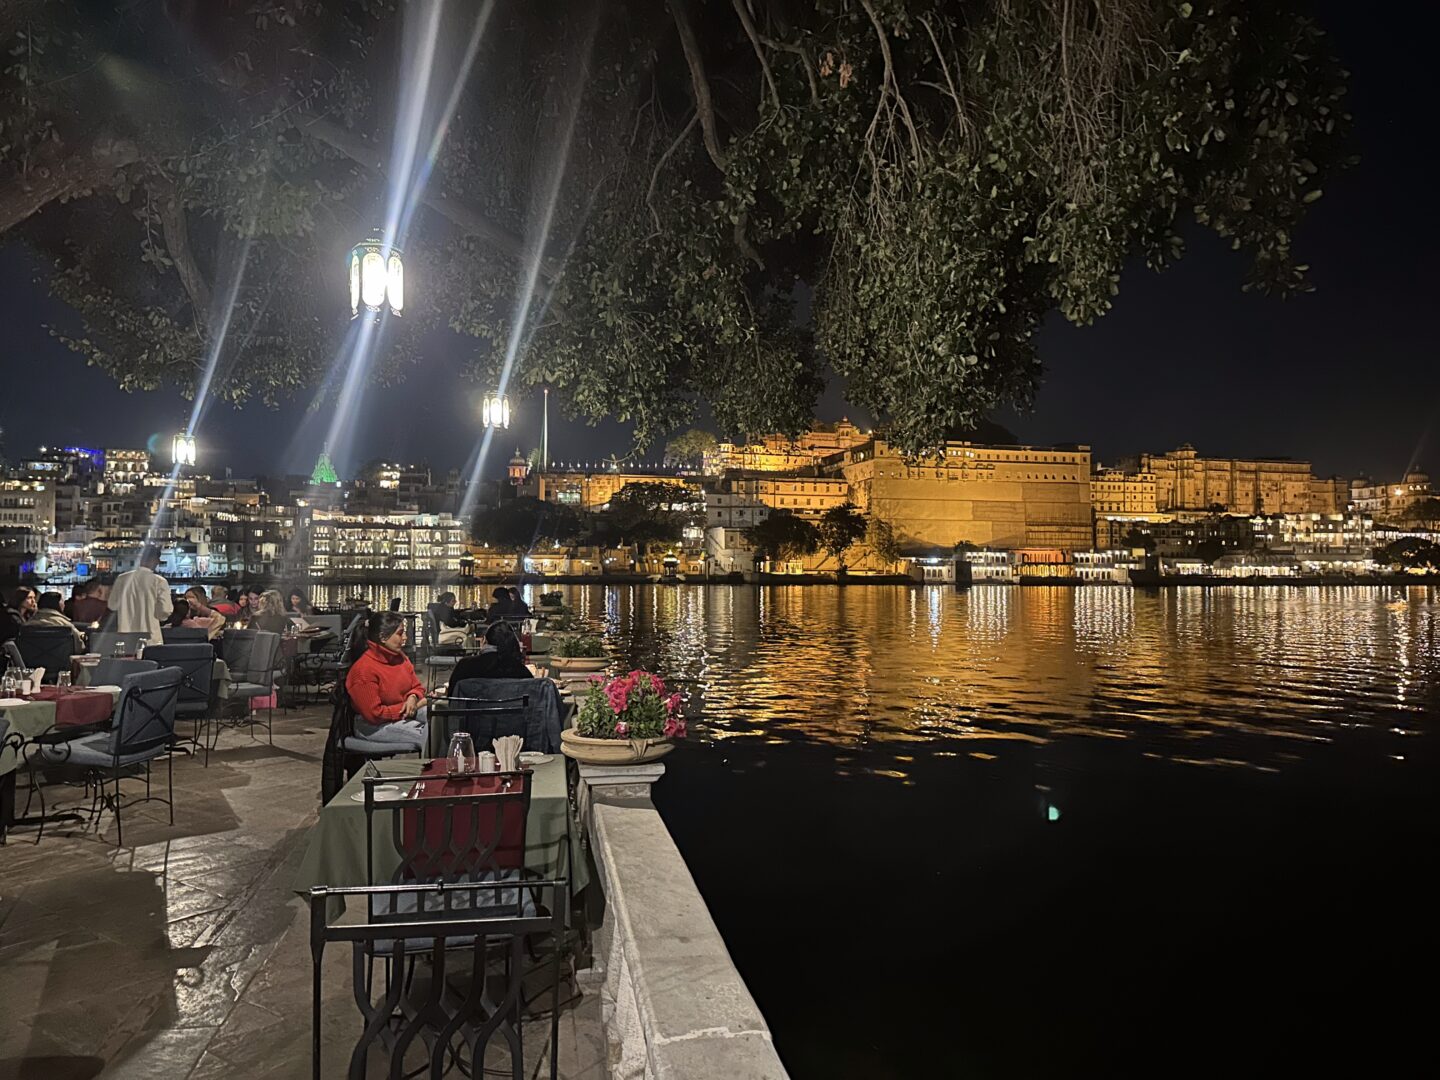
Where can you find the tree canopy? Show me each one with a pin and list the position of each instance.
(677, 180)
(783, 535)
(645, 513)
(841, 528)
(690, 448)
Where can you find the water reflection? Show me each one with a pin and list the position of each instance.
(876, 675)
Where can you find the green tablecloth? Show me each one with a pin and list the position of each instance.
(336, 853)
(30, 719)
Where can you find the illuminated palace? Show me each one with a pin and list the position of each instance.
(990, 496)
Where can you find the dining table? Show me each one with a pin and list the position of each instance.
(335, 854)
(52, 709)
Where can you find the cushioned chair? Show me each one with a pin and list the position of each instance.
(12, 655)
(196, 662)
(257, 678)
(436, 663)
(50, 647)
(543, 710)
(143, 730)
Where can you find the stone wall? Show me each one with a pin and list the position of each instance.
(672, 1003)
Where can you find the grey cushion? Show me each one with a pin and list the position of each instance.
(358, 744)
(93, 752)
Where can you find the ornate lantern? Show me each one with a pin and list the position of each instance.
(495, 411)
(377, 278)
(182, 448)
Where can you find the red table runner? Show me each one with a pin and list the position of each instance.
(461, 838)
(77, 708)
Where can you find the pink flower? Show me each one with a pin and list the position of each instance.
(672, 703)
(622, 729)
(656, 684)
(674, 727)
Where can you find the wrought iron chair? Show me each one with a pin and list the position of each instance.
(316, 668)
(443, 931)
(253, 657)
(436, 662)
(485, 720)
(196, 661)
(50, 647)
(143, 729)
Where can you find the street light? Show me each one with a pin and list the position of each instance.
(495, 411)
(377, 277)
(182, 448)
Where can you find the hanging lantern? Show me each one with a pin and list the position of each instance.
(495, 411)
(182, 449)
(377, 278)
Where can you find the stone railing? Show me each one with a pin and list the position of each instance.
(672, 1003)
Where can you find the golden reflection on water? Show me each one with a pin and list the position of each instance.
(884, 676)
(1235, 677)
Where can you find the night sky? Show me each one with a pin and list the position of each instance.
(1345, 377)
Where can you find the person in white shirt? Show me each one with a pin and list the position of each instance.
(140, 598)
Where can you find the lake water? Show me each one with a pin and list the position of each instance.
(1018, 832)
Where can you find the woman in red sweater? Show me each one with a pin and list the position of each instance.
(389, 700)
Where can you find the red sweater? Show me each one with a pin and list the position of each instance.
(379, 682)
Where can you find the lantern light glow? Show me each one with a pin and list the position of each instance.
(182, 449)
(495, 411)
(377, 278)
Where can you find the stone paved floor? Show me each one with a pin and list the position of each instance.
(185, 954)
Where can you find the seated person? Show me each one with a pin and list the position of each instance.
(502, 659)
(517, 603)
(444, 610)
(388, 698)
(201, 614)
(271, 614)
(76, 592)
(300, 603)
(501, 605)
(90, 606)
(48, 613)
(224, 603)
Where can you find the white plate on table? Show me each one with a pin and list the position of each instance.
(10, 702)
(383, 793)
(534, 757)
(112, 689)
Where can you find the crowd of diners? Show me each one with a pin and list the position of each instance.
(387, 695)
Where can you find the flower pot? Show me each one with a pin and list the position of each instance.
(612, 751)
(579, 663)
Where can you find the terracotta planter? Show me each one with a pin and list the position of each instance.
(612, 751)
(579, 663)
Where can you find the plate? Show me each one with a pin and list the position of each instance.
(383, 793)
(10, 701)
(112, 689)
(534, 757)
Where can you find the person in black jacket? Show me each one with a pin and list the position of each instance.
(503, 661)
(517, 603)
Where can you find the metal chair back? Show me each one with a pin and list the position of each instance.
(467, 836)
(486, 721)
(50, 647)
(457, 946)
(237, 647)
(196, 664)
(111, 671)
(184, 635)
(145, 717)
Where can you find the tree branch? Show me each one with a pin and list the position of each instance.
(63, 177)
(655, 176)
(750, 32)
(891, 81)
(704, 106)
(177, 242)
(805, 63)
(469, 219)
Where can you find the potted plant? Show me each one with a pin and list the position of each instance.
(551, 601)
(627, 720)
(578, 652)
